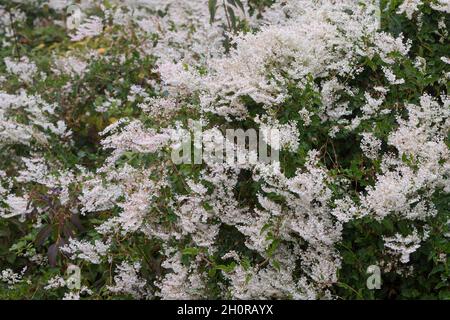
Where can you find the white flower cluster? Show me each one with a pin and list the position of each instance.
(404, 246)
(290, 216)
(84, 250)
(127, 280)
(11, 278)
(23, 68)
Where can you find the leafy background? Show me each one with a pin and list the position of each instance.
(362, 245)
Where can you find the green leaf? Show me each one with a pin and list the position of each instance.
(232, 17)
(276, 265)
(191, 251)
(240, 5)
(212, 5)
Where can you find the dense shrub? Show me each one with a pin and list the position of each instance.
(91, 110)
